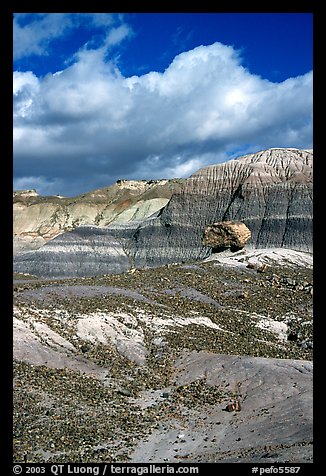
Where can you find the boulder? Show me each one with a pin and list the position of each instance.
(226, 234)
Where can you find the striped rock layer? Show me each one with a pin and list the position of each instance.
(271, 192)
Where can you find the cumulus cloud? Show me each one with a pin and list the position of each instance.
(88, 125)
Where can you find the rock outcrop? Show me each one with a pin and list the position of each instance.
(270, 192)
(87, 251)
(226, 234)
(38, 219)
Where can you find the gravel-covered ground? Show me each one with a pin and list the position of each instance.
(96, 372)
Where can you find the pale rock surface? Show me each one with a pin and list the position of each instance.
(34, 342)
(264, 256)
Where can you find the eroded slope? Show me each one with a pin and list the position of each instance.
(141, 366)
(38, 219)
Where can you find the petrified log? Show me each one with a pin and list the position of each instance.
(226, 234)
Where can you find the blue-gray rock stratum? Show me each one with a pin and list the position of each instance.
(271, 192)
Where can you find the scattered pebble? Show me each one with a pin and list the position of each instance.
(61, 415)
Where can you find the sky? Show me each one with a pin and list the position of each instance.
(99, 97)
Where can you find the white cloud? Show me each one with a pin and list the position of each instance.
(35, 37)
(100, 19)
(116, 35)
(89, 125)
(25, 87)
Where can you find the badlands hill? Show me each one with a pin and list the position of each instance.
(208, 359)
(38, 219)
(113, 231)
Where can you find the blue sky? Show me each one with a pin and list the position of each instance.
(98, 97)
